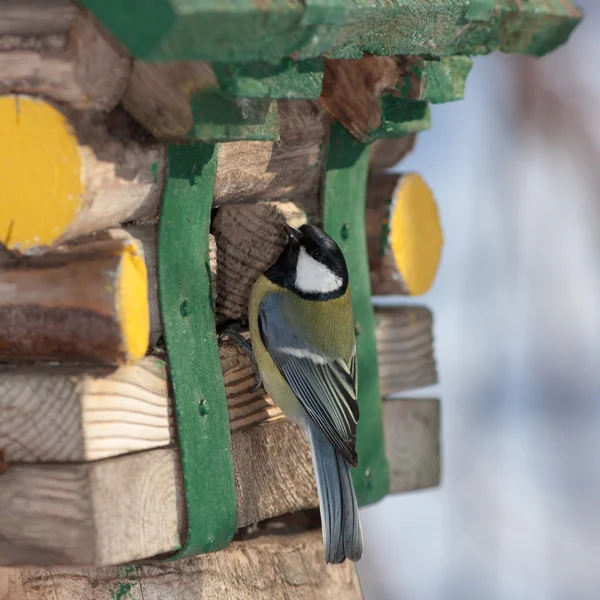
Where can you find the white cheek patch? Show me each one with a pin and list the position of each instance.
(313, 277)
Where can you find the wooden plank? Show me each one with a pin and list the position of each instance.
(103, 512)
(54, 49)
(272, 463)
(85, 302)
(388, 152)
(412, 438)
(288, 169)
(277, 567)
(405, 348)
(247, 31)
(199, 397)
(66, 414)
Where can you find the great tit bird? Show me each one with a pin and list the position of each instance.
(302, 333)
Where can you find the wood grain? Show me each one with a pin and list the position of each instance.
(352, 89)
(274, 567)
(412, 436)
(388, 152)
(386, 279)
(54, 49)
(290, 168)
(103, 170)
(158, 95)
(249, 239)
(405, 348)
(85, 302)
(103, 512)
(66, 414)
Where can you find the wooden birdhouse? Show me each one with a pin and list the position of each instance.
(150, 153)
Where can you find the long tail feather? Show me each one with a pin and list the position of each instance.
(342, 532)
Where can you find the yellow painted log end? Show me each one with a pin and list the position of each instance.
(416, 234)
(41, 188)
(132, 302)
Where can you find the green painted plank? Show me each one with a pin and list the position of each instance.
(436, 80)
(344, 198)
(399, 118)
(219, 117)
(290, 79)
(230, 31)
(193, 354)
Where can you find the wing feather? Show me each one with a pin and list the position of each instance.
(324, 385)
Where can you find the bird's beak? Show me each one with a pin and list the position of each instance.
(293, 233)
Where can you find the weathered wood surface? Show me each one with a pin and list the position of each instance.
(57, 502)
(352, 90)
(287, 169)
(158, 95)
(404, 234)
(102, 512)
(92, 171)
(52, 48)
(405, 348)
(388, 152)
(272, 567)
(211, 31)
(83, 302)
(249, 239)
(414, 449)
(67, 414)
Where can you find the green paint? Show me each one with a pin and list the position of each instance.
(221, 117)
(436, 80)
(247, 31)
(154, 172)
(290, 79)
(344, 197)
(400, 117)
(122, 590)
(193, 352)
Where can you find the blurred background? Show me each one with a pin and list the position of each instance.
(516, 172)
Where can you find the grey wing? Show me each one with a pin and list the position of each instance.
(324, 385)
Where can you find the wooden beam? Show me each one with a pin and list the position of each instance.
(404, 234)
(53, 49)
(412, 437)
(84, 302)
(247, 31)
(176, 100)
(405, 348)
(388, 152)
(287, 169)
(96, 513)
(92, 171)
(66, 414)
(271, 456)
(273, 566)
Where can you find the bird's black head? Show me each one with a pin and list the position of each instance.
(311, 265)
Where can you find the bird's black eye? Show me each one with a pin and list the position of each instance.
(317, 255)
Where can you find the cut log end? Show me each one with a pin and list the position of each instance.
(85, 302)
(404, 234)
(81, 179)
(42, 190)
